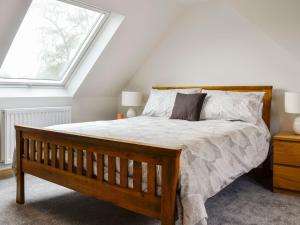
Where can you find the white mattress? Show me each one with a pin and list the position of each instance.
(215, 152)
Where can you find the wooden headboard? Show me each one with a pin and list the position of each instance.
(266, 89)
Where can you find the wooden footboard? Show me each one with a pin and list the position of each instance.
(50, 156)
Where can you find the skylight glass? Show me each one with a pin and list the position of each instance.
(49, 41)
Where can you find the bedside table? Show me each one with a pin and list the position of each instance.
(286, 163)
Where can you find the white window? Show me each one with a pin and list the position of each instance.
(50, 42)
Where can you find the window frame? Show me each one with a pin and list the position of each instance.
(69, 71)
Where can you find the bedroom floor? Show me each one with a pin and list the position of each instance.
(242, 203)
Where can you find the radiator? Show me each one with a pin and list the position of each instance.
(37, 117)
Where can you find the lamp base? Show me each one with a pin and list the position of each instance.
(296, 125)
(130, 113)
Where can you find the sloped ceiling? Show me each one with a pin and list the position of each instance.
(12, 13)
(279, 19)
(144, 24)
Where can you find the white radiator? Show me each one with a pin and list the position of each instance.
(37, 117)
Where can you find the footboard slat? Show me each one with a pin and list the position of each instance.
(53, 155)
(124, 172)
(26, 150)
(79, 161)
(46, 153)
(151, 178)
(89, 164)
(61, 157)
(32, 150)
(100, 167)
(137, 176)
(102, 182)
(111, 170)
(70, 159)
(39, 151)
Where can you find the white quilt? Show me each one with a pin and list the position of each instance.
(215, 152)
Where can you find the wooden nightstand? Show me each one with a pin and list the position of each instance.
(286, 163)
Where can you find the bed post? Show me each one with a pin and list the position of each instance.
(170, 173)
(20, 174)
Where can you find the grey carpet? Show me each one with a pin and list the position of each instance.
(242, 203)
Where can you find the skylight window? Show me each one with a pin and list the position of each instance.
(50, 42)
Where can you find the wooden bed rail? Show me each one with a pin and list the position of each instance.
(78, 162)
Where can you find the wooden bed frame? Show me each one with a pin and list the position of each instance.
(83, 180)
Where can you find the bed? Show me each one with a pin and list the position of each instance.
(146, 165)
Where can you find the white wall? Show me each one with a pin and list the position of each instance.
(91, 109)
(213, 44)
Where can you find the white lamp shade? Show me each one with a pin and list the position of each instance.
(292, 102)
(130, 98)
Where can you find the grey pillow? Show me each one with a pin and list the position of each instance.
(188, 106)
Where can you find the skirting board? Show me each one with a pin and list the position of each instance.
(5, 173)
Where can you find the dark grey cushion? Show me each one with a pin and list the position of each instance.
(188, 106)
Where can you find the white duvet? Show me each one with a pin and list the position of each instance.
(214, 152)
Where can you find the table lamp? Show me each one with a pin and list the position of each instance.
(131, 99)
(292, 105)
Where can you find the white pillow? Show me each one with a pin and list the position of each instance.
(161, 102)
(226, 105)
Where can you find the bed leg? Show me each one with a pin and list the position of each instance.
(167, 221)
(170, 173)
(20, 188)
(20, 198)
